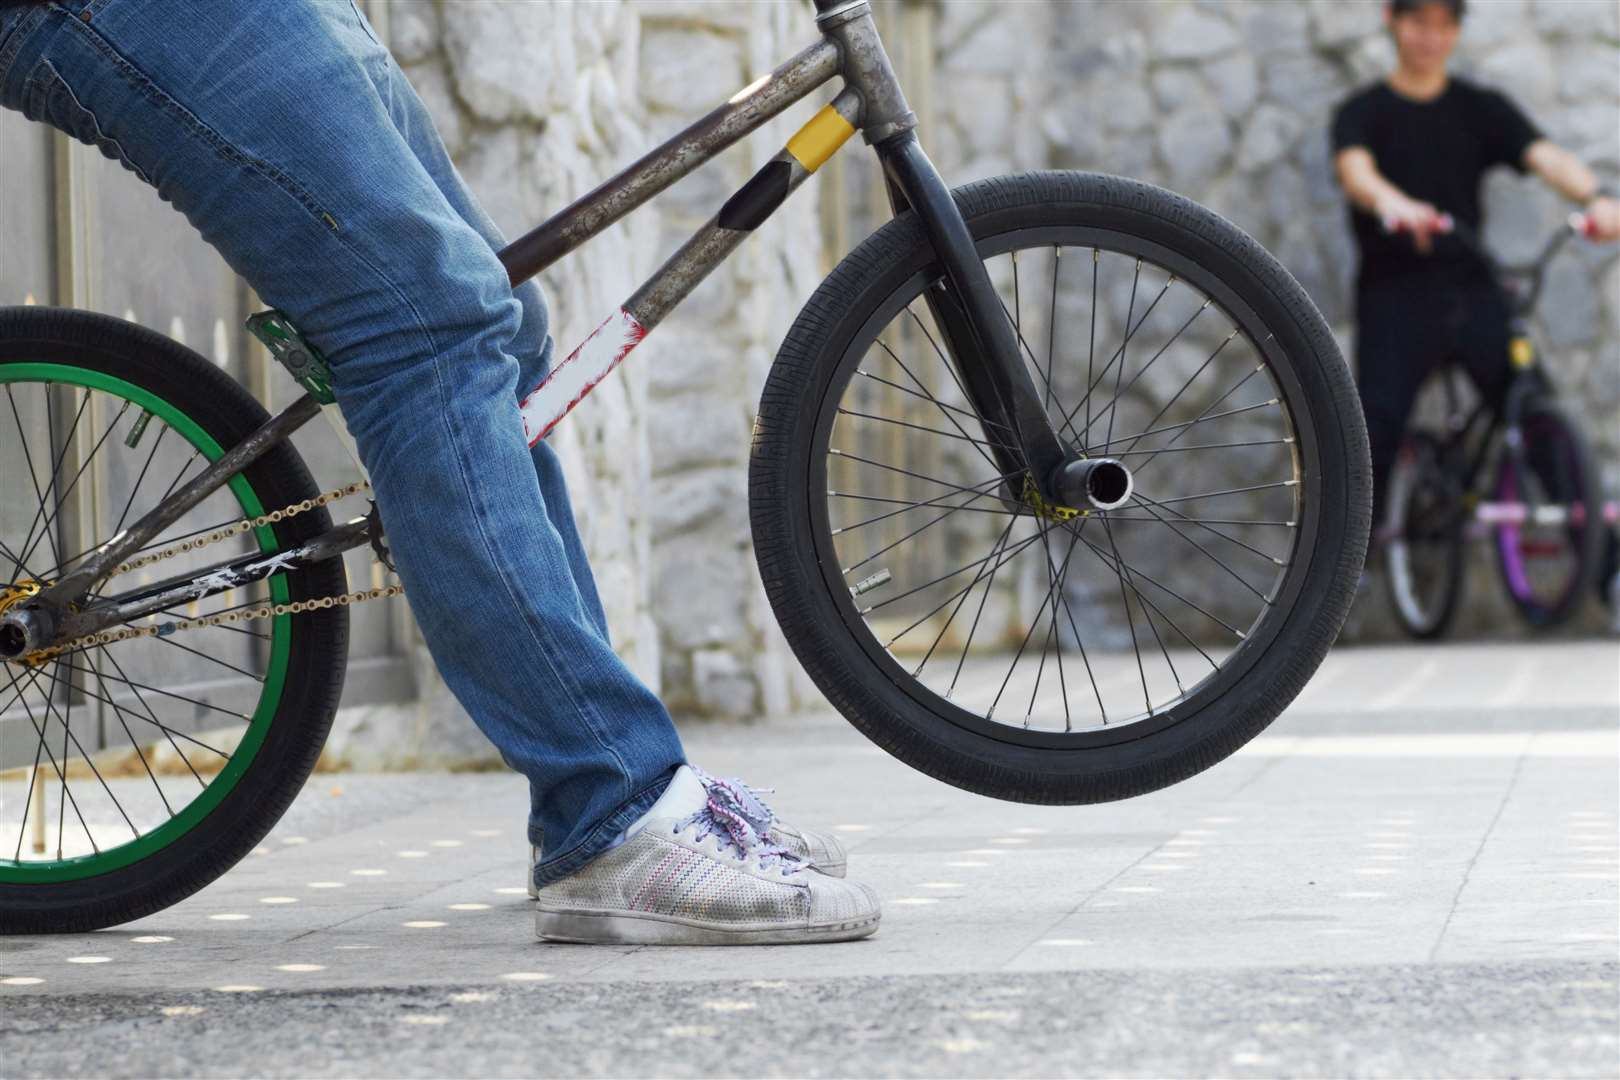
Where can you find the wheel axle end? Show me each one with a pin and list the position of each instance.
(1100, 483)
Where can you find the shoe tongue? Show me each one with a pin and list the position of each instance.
(685, 795)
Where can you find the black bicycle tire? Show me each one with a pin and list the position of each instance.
(1588, 552)
(784, 547)
(1456, 568)
(317, 657)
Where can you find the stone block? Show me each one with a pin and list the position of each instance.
(1570, 309)
(1235, 81)
(698, 589)
(1194, 146)
(511, 61)
(1589, 130)
(713, 499)
(1589, 71)
(1578, 18)
(722, 685)
(1523, 69)
(1337, 24)
(1130, 108)
(1495, 22)
(1304, 82)
(1276, 28)
(1269, 135)
(413, 30)
(1176, 86)
(689, 71)
(1192, 33)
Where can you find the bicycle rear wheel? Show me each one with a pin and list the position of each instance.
(1549, 561)
(1423, 558)
(1049, 654)
(134, 773)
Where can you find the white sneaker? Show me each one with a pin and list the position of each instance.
(694, 871)
(821, 851)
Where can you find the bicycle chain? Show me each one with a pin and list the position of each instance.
(263, 611)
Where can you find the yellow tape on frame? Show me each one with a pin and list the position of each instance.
(820, 139)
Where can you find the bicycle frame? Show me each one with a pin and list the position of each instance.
(979, 337)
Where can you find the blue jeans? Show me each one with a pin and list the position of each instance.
(291, 141)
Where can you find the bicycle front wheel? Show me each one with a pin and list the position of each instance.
(1549, 560)
(135, 772)
(1041, 653)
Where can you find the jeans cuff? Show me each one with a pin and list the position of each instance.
(605, 835)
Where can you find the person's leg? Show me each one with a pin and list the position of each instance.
(257, 124)
(1392, 359)
(532, 344)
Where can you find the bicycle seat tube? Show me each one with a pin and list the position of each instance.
(979, 336)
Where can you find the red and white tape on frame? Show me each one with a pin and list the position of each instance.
(568, 382)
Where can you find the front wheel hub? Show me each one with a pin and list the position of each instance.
(1095, 483)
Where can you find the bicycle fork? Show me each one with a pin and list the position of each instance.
(980, 340)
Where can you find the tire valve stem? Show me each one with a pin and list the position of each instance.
(867, 584)
(138, 429)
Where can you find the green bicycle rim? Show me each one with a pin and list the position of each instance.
(131, 851)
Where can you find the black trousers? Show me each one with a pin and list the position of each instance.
(1405, 329)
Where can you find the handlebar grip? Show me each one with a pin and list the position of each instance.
(1583, 225)
(1444, 225)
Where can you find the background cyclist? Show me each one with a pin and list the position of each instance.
(1407, 149)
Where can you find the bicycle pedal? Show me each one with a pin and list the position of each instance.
(302, 360)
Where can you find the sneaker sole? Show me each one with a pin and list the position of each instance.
(642, 928)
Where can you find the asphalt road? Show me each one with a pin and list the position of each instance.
(1415, 872)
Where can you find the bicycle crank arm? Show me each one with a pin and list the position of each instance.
(23, 631)
(979, 334)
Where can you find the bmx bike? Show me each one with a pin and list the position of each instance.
(1058, 490)
(1521, 475)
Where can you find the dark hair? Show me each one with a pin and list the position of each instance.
(1406, 7)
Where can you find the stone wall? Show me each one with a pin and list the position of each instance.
(1224, 100)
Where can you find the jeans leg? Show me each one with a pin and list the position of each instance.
(532, 345)
(258, 124)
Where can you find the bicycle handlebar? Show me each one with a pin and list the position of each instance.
(1577, 224)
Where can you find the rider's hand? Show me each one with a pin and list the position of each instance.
(1403, 214)
(1603, 213)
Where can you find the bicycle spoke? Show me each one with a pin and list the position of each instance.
(1209, 555)
(1228, 491)
(1113, 403)
(67, 734)
(1206, 526)
(170, 694)
(151, 715)
(1147, 601)
(927, 393)
(61, 778)
(1146, 614)
(954, 509)
(1000, 544)
(917, 427)
(1217, 620)
(119, 712)
(945, 406)
(139, 480)
(935, 501)
(75, 481)
(56, 462)
(943, 577)
(1130, 620)
(1186, 385)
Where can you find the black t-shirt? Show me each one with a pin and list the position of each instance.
(1436, 151)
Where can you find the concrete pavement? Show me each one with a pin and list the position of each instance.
(1415, 872)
